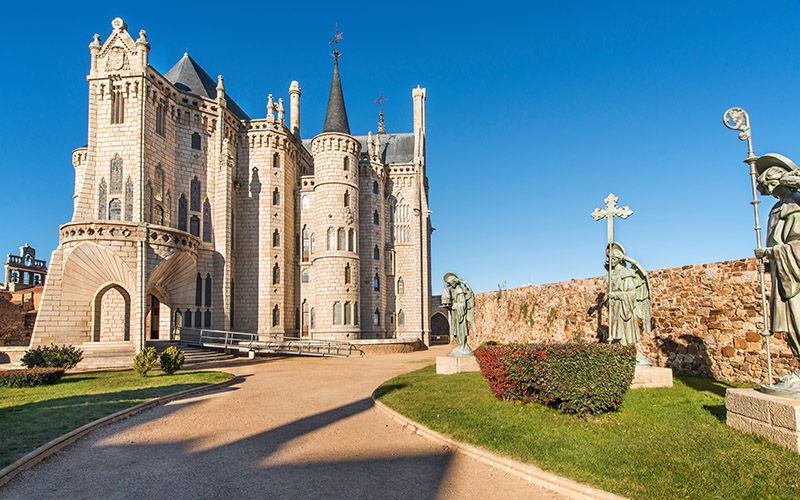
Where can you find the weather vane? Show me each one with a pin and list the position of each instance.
(379, 102)
(336, 37)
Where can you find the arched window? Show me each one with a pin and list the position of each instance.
(187, 319)
(276, 316)
(276, 197)
(208, 290)
(305, 203)
(117, 107)
(195, 194)
(115, 185)
(276, 238)
(337, 313)
(198, 319)
(196, 141)
(376, 282)
(375, 218)
(305, 314)
(401, 318)
(376, 253)
(376, 317)
(304, 276)
(347, 198)
(306, 241)
(160, 115)
(115, 209)
(340, 239)
(401, 288)
(355, 313)
(206, 221)
(198, 291)
(346, 164)
(276, 274)
(182, 212)
(313, 244)
(351, 240)
(168, 210)
(375, 187)
(148, 200)
(347, 274)
(158, 182)
(158, 215)
(129, 200)
(276, 160)
(331, 238)
(312, 322)
(207, 319)
(348, 314)
(194, 225)
(178, 318)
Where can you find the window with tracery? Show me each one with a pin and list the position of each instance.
(195, 194)
(129, 200)
(102, 196)
(182, 212)
(115, 185)
(206, 221)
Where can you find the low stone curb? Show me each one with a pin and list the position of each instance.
(62, 442)
(533, 474)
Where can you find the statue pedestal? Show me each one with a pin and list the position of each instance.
(775, 418)
(651, 376)
(448, 365)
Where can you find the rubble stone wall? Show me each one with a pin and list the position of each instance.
(706, 319)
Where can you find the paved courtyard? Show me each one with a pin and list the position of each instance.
(299, 428)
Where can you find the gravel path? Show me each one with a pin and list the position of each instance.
(296, 428)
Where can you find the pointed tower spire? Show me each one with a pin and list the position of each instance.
(336, 116)
(379, 102)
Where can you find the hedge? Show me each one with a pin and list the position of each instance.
(52, 356)
(30, 377)
(575, 378)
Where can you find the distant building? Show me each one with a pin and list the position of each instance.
(25, 270)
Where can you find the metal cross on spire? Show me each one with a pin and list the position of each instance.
(611, 211)
(379, 102)
(336, 37)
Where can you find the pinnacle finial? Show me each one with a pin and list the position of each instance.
(379, 102)
(220, 85)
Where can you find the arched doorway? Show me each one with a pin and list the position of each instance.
(440, 329)
(158, 322)
(112, 314)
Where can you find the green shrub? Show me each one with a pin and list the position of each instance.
(574, 377)
(171, 360)
(52, 356)
(145, 360)
(30, 377)
(489, 342)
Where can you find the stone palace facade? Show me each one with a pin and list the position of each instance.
(189, 213)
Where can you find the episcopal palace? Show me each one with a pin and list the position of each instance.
(188, 213)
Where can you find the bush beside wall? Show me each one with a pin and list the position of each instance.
(30, 377)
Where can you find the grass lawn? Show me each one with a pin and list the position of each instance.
(669, 443)
(30, 417)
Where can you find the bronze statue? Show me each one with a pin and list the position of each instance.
(630, 302)
(457, 296)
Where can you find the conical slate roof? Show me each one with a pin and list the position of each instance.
(336, 116)
(188, 76)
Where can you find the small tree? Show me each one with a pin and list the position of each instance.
(145, 360)
(171, 360)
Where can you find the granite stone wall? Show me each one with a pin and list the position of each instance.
(706, 319)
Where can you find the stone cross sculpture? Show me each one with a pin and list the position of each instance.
(611, 211)
(778, 176)
(458, 298)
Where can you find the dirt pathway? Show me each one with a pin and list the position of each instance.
(296, 428)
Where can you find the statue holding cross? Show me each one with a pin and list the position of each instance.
(628, 288)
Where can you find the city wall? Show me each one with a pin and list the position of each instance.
(706, 319)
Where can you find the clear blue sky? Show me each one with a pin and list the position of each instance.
(536, 111)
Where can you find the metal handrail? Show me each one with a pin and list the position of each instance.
(267, 342)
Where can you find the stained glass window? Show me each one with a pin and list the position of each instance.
(182, 213)
(348, 314)
(196, 142)
(276, 274)
(208, 290)
(194, 225)
(101, 200)
(116, 175)
(337, 313)
(276, 316)
(206, 221)
(129, 200)
(195, 194)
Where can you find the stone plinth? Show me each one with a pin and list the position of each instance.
(775, 418)
(651, 376)
(448, 365)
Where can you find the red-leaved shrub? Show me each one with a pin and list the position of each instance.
(576, 378)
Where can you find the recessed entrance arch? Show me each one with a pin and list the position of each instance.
(440, 329)
(112, 314)
(159, 315)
